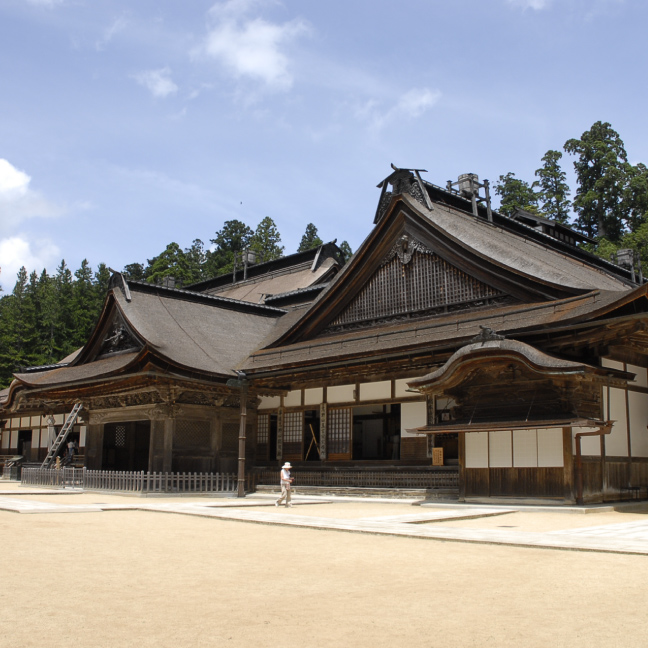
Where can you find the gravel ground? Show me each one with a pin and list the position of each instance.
(136, 578)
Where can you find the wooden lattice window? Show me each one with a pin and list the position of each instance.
(230, 436)
(426, 283)
(293, 434)
(120, 436)
(338, 436)
(192, 433)
(263, 436)
(263, 428)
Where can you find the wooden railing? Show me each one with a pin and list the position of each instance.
(445, 478)
(130, 482)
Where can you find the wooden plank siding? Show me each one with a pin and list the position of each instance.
(413, 448)
(514, 482)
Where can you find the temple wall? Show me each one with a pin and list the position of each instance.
(353, 397)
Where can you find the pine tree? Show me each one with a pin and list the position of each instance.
(602, 171)
(171, 263)
(84, 313)
(234, 237)
(310, 239)
(515, 194)
(196, 258)
(266, 240)
(346, 250)
(554, 191)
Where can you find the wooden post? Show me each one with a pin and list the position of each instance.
(242, 429)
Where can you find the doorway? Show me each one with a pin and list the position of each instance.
(376, 432)
(126, 446)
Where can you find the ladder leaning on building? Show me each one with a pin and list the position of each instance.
(62, 435)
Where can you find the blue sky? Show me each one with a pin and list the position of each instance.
(127, 125)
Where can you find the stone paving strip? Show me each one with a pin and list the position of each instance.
(625, 538)
(629, 530)
(617, 544)
(31, 506)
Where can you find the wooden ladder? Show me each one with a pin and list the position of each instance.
(62, 435)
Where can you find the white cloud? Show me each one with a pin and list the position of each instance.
(17, 201)
(251, 47)
(13, 183)
(411, 105)
(17, 251)
(159, 82)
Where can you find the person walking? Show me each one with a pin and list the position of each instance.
(285, 480)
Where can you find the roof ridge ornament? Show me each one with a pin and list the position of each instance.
(486, 335)
(403, 181)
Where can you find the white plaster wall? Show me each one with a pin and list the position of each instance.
(340, 394)
(612, 364)
(525, 449)
(641, 375)
(6, 435)
(375, 391)
(638, 421)
(550, 448)
(269, 402)
(25, 422)
(35, 421)
(616, 443)
(400, 389)
(44, 438)
(14, 439)
(413, 415)
(314, 396)
(293, 398)
(500, 449)
(590, 445)
(59, 419)
(476, 449)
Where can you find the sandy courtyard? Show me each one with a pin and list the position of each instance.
(138, 578)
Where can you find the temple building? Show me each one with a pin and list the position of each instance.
(459, 350)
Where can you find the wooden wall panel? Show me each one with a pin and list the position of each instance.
(476, 482)
(514, 482)
(413, 448)
(592, 480)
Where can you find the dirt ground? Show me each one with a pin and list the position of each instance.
(136, 578)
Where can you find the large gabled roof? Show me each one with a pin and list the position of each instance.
(446, 332)
(282, 276)
(525, 269)
(184, 332)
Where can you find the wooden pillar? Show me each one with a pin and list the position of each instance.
(280, 424)
(462, 465)
(94, 446)
(169, 429)
(323, 430)
(568, 465)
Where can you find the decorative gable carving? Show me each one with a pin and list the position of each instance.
(117, 339)
(413, 281)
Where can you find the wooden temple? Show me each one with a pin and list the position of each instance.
(458, 350)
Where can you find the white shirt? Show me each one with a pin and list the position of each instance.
(285, 475)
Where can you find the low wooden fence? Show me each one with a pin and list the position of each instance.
(130, 482)
(444, 479)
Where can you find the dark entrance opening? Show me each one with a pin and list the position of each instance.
(24, 443)
(272, 446)
(311, 435)
(376, 432)
(126, 446)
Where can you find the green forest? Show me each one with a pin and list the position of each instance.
(46, 317)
